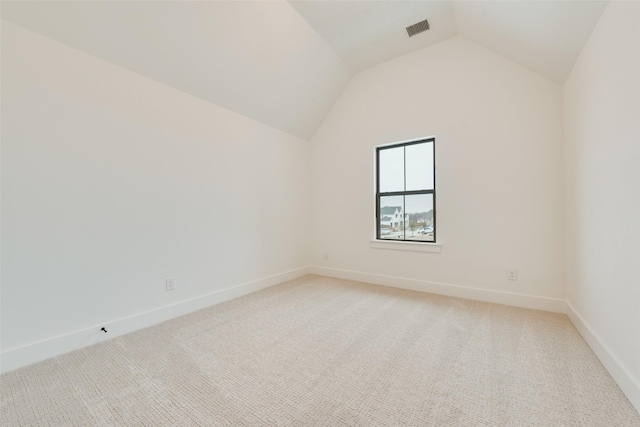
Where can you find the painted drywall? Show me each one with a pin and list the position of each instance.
(602, 137)
(257, 58)
(112, 182)
(498, 131)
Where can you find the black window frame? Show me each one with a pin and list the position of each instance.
(379, 194)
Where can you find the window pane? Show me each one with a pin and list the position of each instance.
(391, 169)
(419, 166)
(391, 217)
(420, 224)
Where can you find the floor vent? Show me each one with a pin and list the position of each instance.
(418, 28)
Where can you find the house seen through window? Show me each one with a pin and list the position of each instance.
(406, 191)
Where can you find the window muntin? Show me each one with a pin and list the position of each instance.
(405, 191)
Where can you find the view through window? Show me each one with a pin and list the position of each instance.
(405, 191)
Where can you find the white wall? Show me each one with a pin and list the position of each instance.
(602, 134)
(112, 182)
(498, 131)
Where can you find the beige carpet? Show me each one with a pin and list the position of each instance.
(325, 352)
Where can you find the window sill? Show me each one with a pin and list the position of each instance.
(406, 246)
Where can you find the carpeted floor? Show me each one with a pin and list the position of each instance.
(318, 351)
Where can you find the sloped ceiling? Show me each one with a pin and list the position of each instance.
(259, 59)
(285, 63)
(366, 33)
(545, 36)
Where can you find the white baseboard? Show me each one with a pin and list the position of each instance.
(620, 374)
(486, 295)
(35, 352)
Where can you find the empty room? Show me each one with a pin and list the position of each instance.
(320, 213)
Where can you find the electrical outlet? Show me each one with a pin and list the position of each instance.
(512, 274)
(170, 283)
(326, 255)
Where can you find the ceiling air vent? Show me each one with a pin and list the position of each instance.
(418, 28)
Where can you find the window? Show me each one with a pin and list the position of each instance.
(406, 191)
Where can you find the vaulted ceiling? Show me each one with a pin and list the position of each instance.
(543, 35)
(285, 63)
(259, 59)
